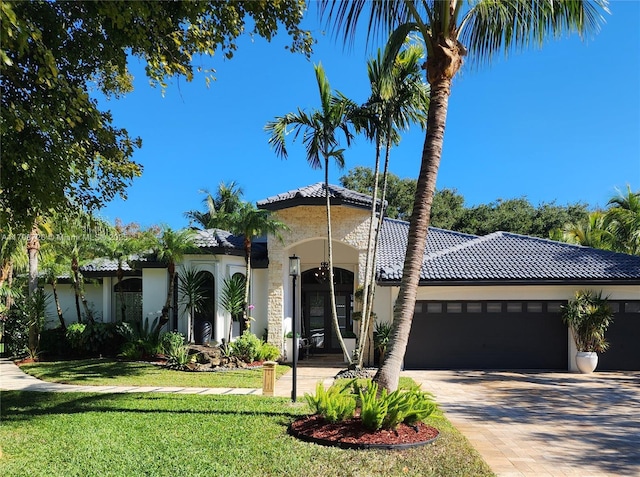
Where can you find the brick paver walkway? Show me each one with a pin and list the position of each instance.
(544, 424)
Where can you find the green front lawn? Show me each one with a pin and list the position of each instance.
(86, 434)
(108, 372)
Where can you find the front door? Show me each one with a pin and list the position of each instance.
(317, 323)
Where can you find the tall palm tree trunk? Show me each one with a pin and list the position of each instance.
(332, 289)
(54, 286)
(33, 248)
(164, 315)
(389, 373)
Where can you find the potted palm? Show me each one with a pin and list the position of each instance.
(588, 316)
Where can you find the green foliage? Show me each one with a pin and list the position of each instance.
(74, 335)
(373, 409)
(381, 337)
(232, 297)
(588, 316)
(59, 149)
(381, 409)
(268, 352)
(334, 404)
(246, 347)
(141, 339)
(171, 339)
(178, 355)
(53, 342)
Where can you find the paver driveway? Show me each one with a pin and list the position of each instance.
(544, 424)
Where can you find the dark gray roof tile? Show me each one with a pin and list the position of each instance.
(315, 195)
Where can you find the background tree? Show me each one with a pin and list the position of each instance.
(450, 30)
(59, 150)
(320, 128)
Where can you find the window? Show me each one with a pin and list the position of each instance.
(474, 307)
(514, 307)
(434, 307)
(494, 307)
(554, 307)
(127, 300)
(534, 307)
(454, 307)
(632, 307)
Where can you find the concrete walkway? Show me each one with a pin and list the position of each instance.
(523, 424)
(13, 379)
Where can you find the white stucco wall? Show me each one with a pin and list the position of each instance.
(154, 292)
(66, 296)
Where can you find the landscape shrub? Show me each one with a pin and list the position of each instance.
(246, 347)
(171, 340)
(268, 352)
(378, 409)
(74, 335)
(54, 343)
(16, 332)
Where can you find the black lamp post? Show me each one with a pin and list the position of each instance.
(294, 272)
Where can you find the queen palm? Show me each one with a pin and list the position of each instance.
(319, 128)
(451, 30)
(591, 232)
(399, 98)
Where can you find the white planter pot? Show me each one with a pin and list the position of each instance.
(586, 361)
(350, 344)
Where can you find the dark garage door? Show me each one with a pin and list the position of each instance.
(624, 338)
(487, 335)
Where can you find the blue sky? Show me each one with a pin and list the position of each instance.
(561, 123)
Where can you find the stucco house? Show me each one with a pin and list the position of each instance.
(489, 302)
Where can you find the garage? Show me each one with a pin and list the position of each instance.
(624, 338)
(487, 335)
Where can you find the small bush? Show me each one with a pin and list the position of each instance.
(246, 347)
(74, 335)
(374, 408)
(53, 342)
(171, 340)
(268, 352)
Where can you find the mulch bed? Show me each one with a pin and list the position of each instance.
(352, 434)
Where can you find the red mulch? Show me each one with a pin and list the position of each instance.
(351, 432)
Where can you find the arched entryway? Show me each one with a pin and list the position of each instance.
(317, 323)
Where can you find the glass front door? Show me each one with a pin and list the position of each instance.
(318, 322)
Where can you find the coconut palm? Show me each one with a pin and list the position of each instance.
(451, 30)
(622, 220)
(170, 248)
(319, 134)
(219, 209)
(399, 98)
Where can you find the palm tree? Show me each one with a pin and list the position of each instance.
(191, 285)
(399, 97)
(170, 248)
(53, 266)
(320, 128)
(219, 209)
(622, 220)
(251, 222)
(591, 232)
(451, 30)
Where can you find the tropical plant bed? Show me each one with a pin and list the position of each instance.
(352, 434)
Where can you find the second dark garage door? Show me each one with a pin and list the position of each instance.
(487, 335)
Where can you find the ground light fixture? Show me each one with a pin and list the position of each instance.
(294, 272)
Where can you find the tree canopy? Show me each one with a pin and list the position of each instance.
(59, 148)
(449, 212)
